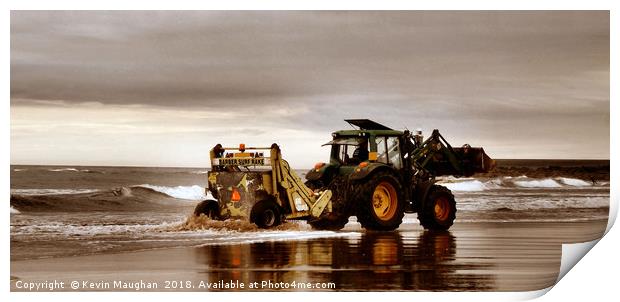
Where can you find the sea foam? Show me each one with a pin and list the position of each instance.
(574, 182)
(466, 186)
(538, 183)
(15, 211)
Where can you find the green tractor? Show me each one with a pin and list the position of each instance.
(378, 174)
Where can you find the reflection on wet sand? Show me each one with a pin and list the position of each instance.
(373, 261)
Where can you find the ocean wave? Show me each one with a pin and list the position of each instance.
(538, 183)
(466, 186)
(206, 230)
(477, 185)
(64, 170)
(200, 172)
(574, 182)
(74, 170)
(531, 202)
(194, 192)
(34, 192)
(123, 199)
(91, 230)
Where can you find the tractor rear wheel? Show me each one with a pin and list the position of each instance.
(380, 202)
(439, 209)
(266, 214)
(208, 208)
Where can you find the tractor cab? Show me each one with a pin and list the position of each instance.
(351, 148)
(354, 150)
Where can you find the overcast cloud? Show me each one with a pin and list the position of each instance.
(161, 88)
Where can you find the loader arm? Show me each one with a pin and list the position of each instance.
(300, 197)
(437, 157)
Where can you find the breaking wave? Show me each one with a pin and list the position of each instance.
(135, 198)
(200, 172)
(542, 183)
(14, 211)
(476, 185)
(466, 186)
(194, 192)
(574, 182)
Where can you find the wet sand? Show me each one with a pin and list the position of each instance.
(473, 256)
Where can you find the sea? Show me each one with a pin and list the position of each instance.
(59, 211)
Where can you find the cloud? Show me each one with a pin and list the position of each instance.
(461, 72)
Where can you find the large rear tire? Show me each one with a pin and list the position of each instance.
(380, 202)
(266, 214)
(208, 208)
(439, 209)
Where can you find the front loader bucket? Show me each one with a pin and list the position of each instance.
(472, 160)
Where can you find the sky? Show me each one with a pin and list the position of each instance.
(160, 88)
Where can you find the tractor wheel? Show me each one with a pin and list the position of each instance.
(208, 208)
(439, 209)
(266, 214)
(331, 222)
(339, 216)
(380, 202)
(314, 184)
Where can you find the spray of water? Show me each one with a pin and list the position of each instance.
(202, 222)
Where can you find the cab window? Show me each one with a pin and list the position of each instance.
(346, 153)
(381, 150)
(394, 152)
(388, 151)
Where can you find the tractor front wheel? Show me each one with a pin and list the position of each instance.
(339, 216)
(380, 203)
(330, 222)
(439, 209)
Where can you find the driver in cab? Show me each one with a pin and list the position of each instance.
(360, 153)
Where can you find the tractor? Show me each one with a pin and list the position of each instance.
(378, 174)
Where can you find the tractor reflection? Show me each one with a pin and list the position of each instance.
(374, 261)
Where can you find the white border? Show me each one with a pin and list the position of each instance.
(594, 277)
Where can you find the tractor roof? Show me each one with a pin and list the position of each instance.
(367, 126)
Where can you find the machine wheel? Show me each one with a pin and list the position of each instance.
(339, 217)
(208, 208)
(439, 209)
(266, 214)
(330, 222)
(380, 203)
(314, 184)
